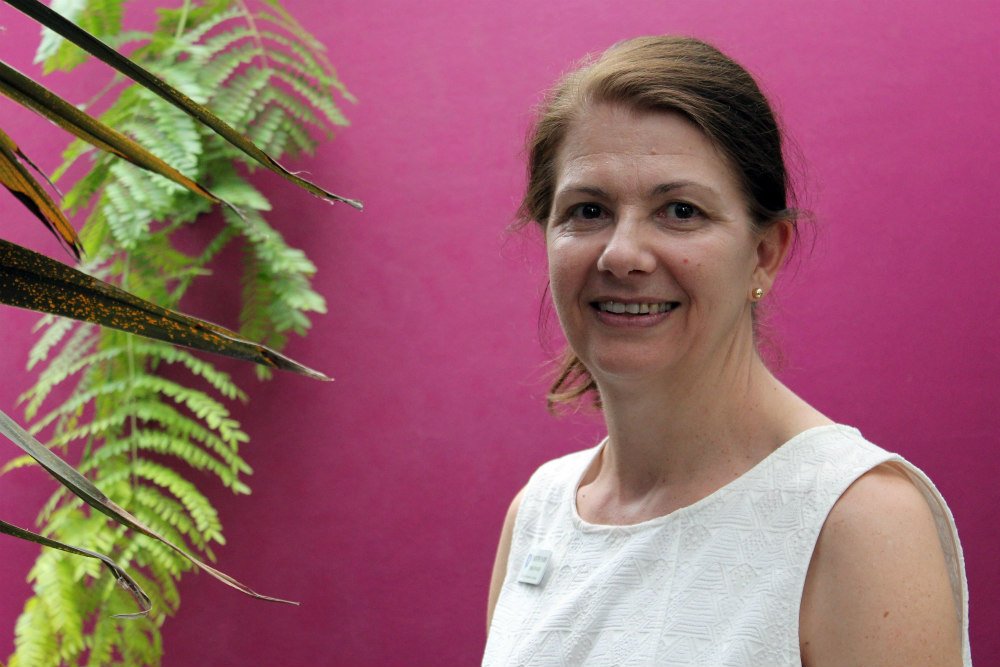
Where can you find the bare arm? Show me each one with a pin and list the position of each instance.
(503, 551)
(877, 592)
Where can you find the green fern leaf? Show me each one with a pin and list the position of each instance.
(102, 640)
(55, 329)
(294, 107)
(197, 32)
(69, 360)
(35, 641)
(302, 86)
(198, 506)
(235, 101)
(54, 585)
(222, 66)
(219, 381)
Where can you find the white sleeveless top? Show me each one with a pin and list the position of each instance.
(714, 584)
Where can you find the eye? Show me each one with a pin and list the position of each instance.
(586, 211)
(682, 210)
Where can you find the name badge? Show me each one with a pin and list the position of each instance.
(535, 565)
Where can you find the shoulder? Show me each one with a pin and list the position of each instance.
(502, 556)
(881, 499)
(878, 590)
(547, 481)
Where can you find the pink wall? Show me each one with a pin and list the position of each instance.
(378, 498)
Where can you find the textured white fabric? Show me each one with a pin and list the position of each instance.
(714, 584)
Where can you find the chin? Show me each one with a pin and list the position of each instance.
(615, 368)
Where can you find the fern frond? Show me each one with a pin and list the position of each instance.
(286, 22)
(220, 67)
(99, 17)
(171, 134)
(55, 329)
(293, 107)
(68, 361)
(307, 62)
(110, 425)
(60, 369)
(168, 591)
(223, 42)
(51, 505)
(127, 221)
(96, 234)
(227, 471)
(193, 14)
(127, 37)
(54, 584)
(197, 505)
(166, 557)
(264, 130)
(102, 639)
(141, 641)
(170, 512)
(303, 87)
(235, 101)
(197, 32)
(239, 191)
(20, 462)
(300, 140)
(219, 380)
(206, 408)
(35, 640)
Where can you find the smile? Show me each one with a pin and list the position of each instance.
(618, 307)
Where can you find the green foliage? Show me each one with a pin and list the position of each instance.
(150, 423)
(99, 17)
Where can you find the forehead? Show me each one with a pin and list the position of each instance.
(616, 144)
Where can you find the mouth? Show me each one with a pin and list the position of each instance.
(640, 308)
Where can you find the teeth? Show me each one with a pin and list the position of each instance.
(634, 308)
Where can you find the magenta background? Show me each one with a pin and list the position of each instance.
(378, 498)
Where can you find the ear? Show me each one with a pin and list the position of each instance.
(772, 248)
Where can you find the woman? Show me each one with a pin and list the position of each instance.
(723, 521)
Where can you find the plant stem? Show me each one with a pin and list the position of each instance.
(256, 33)
(182, 23)
(130, 356)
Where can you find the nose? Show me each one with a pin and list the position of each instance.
(627, 251)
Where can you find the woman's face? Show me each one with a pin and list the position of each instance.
(652, 256)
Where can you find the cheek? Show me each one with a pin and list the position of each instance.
(710, 273)
(560, 278)
(569, 266)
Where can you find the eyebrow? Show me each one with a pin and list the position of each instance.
(665, 188)
(661, 189)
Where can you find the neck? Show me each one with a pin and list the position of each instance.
(696, 432)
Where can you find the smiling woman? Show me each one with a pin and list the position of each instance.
(723, 521)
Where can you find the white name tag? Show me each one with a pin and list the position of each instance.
(534, 567)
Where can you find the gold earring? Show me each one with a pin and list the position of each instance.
(757, 293)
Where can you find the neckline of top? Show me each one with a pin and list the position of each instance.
(750, 474)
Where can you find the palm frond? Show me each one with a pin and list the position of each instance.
(25, 91)
(16, 178)
(38, 283)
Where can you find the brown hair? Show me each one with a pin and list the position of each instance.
(677, 74)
